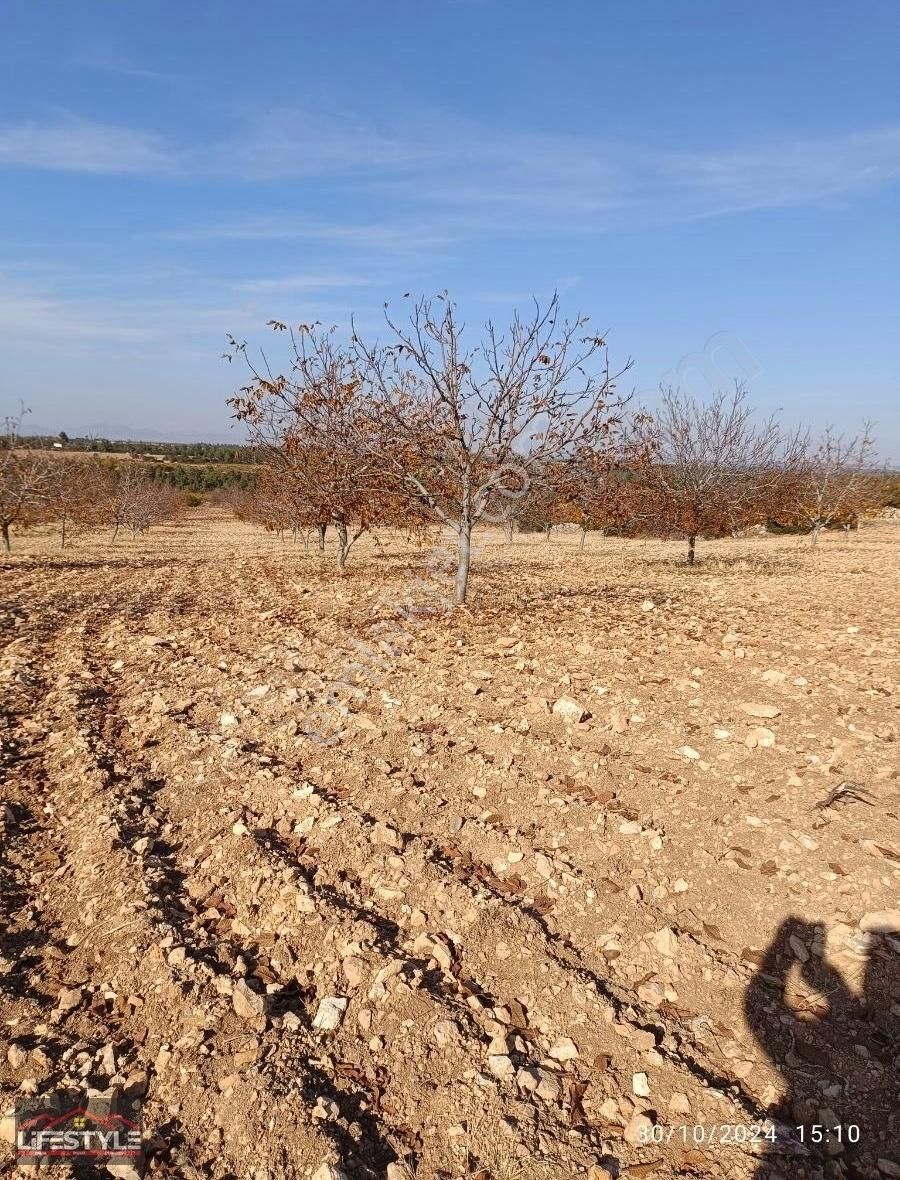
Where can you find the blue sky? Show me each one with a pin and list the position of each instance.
(170, 172)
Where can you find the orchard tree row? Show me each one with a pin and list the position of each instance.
(76, 493)
(525, 427)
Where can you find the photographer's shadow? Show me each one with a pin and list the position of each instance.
(838, 1052)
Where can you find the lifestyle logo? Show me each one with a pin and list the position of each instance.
(101, 1128)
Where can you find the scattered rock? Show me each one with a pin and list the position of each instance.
(247, 1003)
(599, 1172)
(881, 922)
(327, 1171)
(799, 948)
(679, 1103)
(386, 836)
(570, 710)
(760, 737)
(355, 971)
(752, 709)
(666, 942)
(540, 1082)
(330, 1013)
(638, 1130)
(124, 1171)
(501, 1067)
(16, 1056)
(434, 946)
(69, 998)
(108, 1060)
(398, 1172)
(563, 1049)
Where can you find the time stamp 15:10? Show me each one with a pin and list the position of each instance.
(698, 1134)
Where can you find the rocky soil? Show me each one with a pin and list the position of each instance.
(599, 877)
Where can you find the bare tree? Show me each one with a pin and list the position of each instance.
(276, 504)
(138, 502)
(467, 426)
(26, 477)
(839, 481)
(714, 470)
(541, 504)
(603, 488)
(315, 427)
(80, 495)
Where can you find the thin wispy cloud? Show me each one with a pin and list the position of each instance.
(294, 284)
(106, 313)
(452, 178)
(108, 62)
(501, 178)
(296, 143)
(33, 315)
(396, 235)
(67, 143)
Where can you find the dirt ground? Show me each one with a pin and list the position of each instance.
(550, 947)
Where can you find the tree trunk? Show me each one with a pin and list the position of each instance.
(509, 530)
(547, 528)
(692, 545)
(343, 544)
(814, 535)
(581, 542)
(321, 530)
(464, 547)
(4, 533)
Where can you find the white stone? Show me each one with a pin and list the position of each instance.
(570, 710)
(501, 1067)
(563, 1049)
(330, 1013)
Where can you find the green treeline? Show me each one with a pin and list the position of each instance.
(201, 452)
(200, 479)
